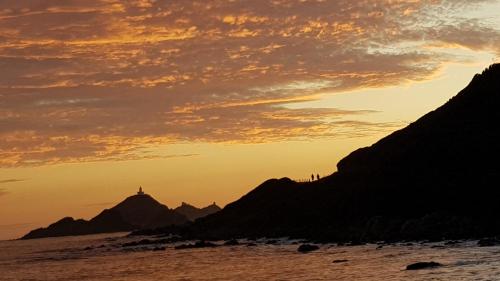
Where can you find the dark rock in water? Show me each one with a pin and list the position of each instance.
(451, 242)
(111, 239)
(145, 242)
(339, 261)
(251, 244)
(423, 265)
(488, 242)
(306, 248)
(356, 243)
(379, 247)
(271, 242)
(198, 244)
(232, 242)
(438, 247)
(137, 243)
(158, 249)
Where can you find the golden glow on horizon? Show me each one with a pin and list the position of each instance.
(202, 101)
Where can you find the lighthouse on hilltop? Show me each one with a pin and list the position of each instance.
(140, 192)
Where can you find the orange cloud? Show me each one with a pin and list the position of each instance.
(84, 80)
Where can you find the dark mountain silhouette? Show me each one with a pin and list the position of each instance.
(437, 178)
(193, 213)
(136, 212)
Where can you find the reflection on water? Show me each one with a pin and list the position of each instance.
(102, 257)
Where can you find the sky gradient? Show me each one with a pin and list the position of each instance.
(200, 101)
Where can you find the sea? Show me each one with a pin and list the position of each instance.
(103, 257)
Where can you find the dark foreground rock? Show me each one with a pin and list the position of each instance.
(145, 242)
(306, 248)
(423, 265)
(197, 245)
(339, 261)
(232, 242)
(488, 242)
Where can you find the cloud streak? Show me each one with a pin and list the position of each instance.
(11, 181)
(104, 79)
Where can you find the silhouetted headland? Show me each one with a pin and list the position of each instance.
(192, 213)
(438, 178)
(140, 211)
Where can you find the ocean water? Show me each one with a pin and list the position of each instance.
(102, 257)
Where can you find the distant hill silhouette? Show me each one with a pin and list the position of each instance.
(437, 178)
(193, 213)
(139, 211)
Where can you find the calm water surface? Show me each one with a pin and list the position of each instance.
(101, 257)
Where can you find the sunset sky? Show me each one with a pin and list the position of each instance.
(200, 101)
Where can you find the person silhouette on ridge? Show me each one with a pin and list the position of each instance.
(312, 177)
(317, 177)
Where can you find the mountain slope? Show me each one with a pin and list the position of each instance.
(438, 177)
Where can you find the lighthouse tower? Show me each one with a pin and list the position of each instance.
(140, 192)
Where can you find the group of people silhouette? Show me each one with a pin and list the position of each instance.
(311, 179)
(317, 177)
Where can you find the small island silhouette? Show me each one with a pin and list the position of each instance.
(140, 211)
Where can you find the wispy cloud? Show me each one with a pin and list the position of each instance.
(11, 180)
(119, 77)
